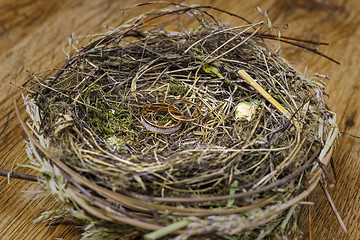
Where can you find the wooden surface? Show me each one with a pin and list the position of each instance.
(33, 32)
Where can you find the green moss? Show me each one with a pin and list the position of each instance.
(112, 122)
(177, 89)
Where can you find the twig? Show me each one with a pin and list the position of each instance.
(314, 50)
(327, 194)
(326, 173)
(18, 175)
(274, 37)
(333, 168)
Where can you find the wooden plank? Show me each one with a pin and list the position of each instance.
(33, 33)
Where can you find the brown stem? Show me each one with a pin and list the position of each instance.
(274, 37)
(18, 175)
(326, 172)
(332, 205)
(314, 50)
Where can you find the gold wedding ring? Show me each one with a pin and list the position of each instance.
(201, 111)
(175, 114)
(160, 107)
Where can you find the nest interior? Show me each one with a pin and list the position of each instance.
(221, 175)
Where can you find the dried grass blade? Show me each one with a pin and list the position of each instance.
(262, 91)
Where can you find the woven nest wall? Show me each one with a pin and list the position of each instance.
(148, 129)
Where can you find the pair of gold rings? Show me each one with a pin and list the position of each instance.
(176, 115)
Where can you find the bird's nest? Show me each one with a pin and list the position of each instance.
(200, 133)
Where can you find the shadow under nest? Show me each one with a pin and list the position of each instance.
(223, 176)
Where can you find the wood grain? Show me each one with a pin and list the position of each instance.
(33, 33)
